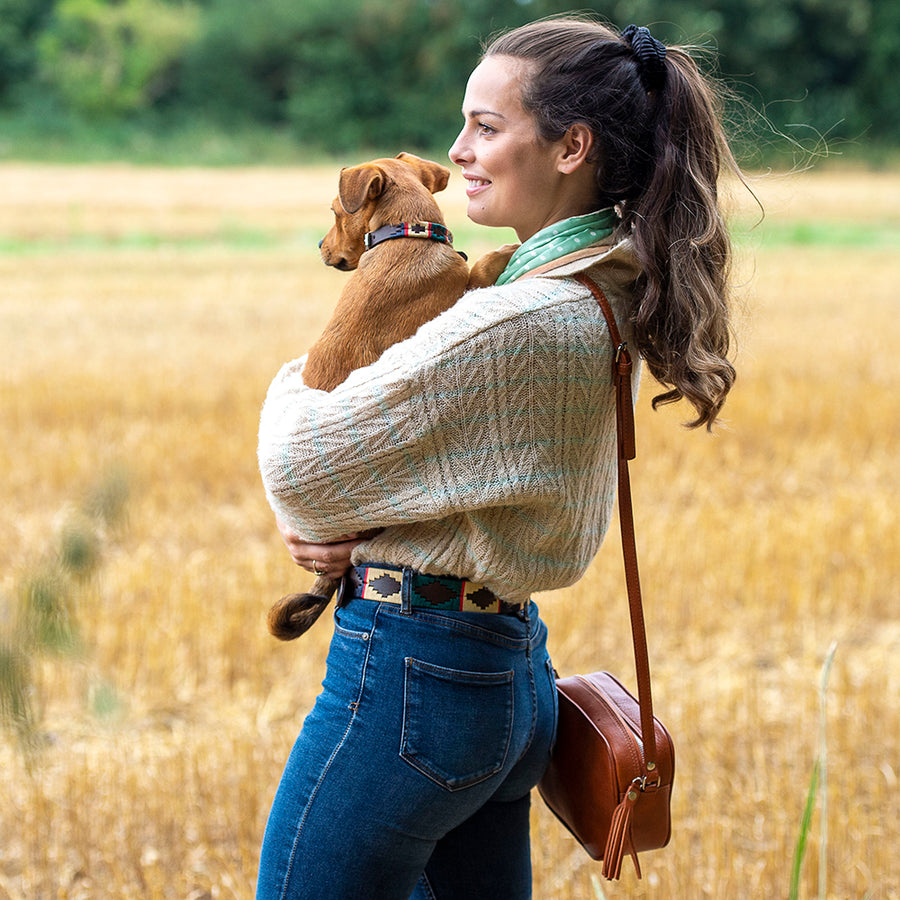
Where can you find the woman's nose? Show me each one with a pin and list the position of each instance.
(459, 152)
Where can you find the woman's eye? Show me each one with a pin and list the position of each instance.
(484, 128)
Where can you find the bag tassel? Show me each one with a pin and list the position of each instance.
(620, 837)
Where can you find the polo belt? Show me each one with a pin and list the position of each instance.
(387, 584)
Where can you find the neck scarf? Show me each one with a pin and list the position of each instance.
(558, 240)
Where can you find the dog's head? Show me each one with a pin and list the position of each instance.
(381, 192)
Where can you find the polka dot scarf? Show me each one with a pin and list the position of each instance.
(558, 240)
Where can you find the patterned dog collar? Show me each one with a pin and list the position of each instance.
(429, 230)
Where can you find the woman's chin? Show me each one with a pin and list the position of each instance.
(480, 215)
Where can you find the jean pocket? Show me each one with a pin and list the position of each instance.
(350, 629)
(456, 725)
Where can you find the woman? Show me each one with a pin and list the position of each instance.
(484, 448)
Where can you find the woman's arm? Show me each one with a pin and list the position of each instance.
(482, 408)
(325, 458)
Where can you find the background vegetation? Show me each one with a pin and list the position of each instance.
(184, 80)
(146, 711)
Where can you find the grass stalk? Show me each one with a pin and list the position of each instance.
(818, 787)
(823, 771)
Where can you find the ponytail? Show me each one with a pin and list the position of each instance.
(660, 149)
(682, 319)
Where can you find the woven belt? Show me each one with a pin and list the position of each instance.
(387, 584)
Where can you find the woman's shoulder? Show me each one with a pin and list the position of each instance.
(615, 264)
(498, 313)
(615, 267)
(544, 294)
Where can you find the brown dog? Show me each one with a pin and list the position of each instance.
(398, 285)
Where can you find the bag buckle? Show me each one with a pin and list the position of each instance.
(647, 782)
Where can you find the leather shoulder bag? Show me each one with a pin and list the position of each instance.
(610, 775)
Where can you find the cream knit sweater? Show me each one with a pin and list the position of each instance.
(484, 445)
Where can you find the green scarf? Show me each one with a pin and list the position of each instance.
(557, 240)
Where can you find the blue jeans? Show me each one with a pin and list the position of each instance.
(411, 777)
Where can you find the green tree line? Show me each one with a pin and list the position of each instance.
(349, 74)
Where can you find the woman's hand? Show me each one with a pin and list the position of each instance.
(331, 559)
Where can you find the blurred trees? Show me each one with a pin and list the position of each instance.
(20, 23)
(343, 74)
(104, 59)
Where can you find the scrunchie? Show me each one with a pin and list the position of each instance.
(650, 55)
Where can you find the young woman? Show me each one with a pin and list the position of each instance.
(484, 449)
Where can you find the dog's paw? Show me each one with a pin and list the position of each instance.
(486, 270)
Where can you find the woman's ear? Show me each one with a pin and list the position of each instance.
(577, 144)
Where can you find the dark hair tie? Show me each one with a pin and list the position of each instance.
(650, 55)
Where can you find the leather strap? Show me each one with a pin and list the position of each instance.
(622, 369)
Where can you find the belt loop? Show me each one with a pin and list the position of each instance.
(340, 596)
(406, 578)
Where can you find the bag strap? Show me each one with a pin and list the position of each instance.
(622, 369)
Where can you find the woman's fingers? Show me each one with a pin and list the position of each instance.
(332, 559)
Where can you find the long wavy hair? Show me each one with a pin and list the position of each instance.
(659, 154)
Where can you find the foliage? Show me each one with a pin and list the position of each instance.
(342, 73)
(353, 74)
(113, 58)
(20, 22)
(46, 623)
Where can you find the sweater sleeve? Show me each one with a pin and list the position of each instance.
(451, 420)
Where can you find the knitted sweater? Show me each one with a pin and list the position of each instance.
(484, 445)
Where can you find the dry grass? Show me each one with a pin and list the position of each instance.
(759, 545)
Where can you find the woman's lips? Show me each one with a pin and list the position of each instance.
(475, 185)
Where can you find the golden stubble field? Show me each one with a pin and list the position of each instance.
(142, 314)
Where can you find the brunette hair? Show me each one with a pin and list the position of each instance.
(659, 150)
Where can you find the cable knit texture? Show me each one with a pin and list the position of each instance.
(484, 445)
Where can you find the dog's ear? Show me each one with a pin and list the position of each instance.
(359, 184)
(433, 175)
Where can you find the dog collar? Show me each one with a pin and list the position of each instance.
(430, 230)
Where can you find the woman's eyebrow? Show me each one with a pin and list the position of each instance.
(477, 113)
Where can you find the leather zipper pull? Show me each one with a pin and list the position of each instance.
(619, 839)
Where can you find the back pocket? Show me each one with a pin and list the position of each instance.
(456, 725)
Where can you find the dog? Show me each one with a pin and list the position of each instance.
(390, 230)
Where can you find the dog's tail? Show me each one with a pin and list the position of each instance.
(293, 614)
